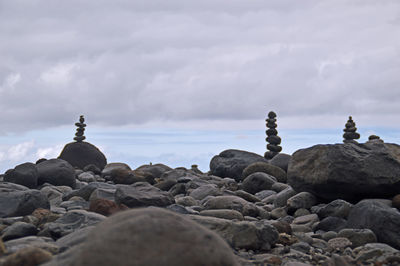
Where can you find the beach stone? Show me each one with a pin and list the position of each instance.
(301, 212)
(102, 193)
(25, 174)
(72, 221)
(44, 243)
(124, 176)
(106, 207)
(337, 208)
(223, 214)
(19, 229)
(204, 191)
(142, 194)
(29, 256)
(234, 203)
(87, 190)
(278, 213)
(19, 203)
(303, 200)
(358, 237)
(339, 243)
(109, 168)
(73, 239)
(80, 154)
(308, 220)
(56, 172)
(264, 193)
(120, 239)
(92, 168)
(257, 182)
(154, 170)
(186, 201)
(86, 177)
(241, 234)
(283, 196)
(231, 163)
(331, 224)
(267, 168)
(383, 220)
(53, 194)
(326, 171)
(396, 202)
(278, 187)
(281, 160)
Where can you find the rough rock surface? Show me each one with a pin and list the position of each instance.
(56, 172)
(349, 171)
(80, 154)
(16, 203)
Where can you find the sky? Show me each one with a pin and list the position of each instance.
(179, 81)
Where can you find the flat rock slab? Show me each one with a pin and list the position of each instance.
(349, 171)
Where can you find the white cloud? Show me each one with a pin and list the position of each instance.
(49, 152)
(58, 75)
(20, 151)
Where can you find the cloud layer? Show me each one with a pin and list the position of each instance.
(132, 62)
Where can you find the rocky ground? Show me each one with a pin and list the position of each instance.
(326, 205)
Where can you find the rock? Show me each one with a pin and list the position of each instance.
(230, 163)
(142, 194)
(24, 174)
(56, 172)
(74, 238)
(204, 191)
(396, 201)
(358, 237)
(166, 236)
(243, 234)
(283, 196)
(186, 201)
(282, 227)
(124, 176)
(44, 243)
(264, 193)
(86, 177)
(80, 154)
(19, 229)
(223, 214)
(87, 190)
(72, 221)
(278, 213)
(267, 168)
(102, 193)
(350, 134)
(331, 224)
(308, 220)
(234, 203)
(246, 196)
(278, 187)
(92, 168)
(303, 200)
(301, 212)
(29, 256)
(109, 168)
(272, 137)
(257, 182)
(380, 218)
(53, 194)
(154, 170)
(281, 160)
(19, 203)
(339, 243)
(106, 207)
(349, 171)
(337, 208)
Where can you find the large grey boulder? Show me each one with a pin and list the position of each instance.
(142, 194)
(150, 236)
(376, 215)
(230, 163)
(25, 174)
(56, 172)
(347, 171)
(21, 202)
(81, 154)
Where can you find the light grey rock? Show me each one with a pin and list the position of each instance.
(283, 196)
(358, 237)
(21, 202)
(257, 182)
(223, 214)
(303, 200)
(19, 229)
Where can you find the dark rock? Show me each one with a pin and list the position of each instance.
(56, 172)
(223, 214)
(346, 171)
(154, 170)
(19, 229)
(124, 176)
(257, 182)
(233, 203)
(142, 194)
(281, 160)
(166, 236)
(80, 154)
(283, 196)
(166, 185)
(331, 224)
(267, 168)
(337, 208)
(40, 160)
(92, 168)
(24, 174)
(383, 220)
(87, 190)
(204, 191)
(109, 168)
(303, 200)
(230, 163)
(358, 237)
(106, 207)
(19, 203)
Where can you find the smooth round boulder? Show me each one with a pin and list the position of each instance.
(267, 168)
(81, 154)
(25, 174)
(152, 236)
(56, 172)
(257, 182)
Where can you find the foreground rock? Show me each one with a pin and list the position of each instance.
(350, 172)
(231, 163)
(150, 236)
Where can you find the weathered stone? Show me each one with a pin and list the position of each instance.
(358, 237)
(331, 224)
(44, 243)
(339, 243)
(223, 214)
(19, 229)
(231, 163)
(87, 190)
(267, 168)
(106, 207)
(109, 168)
(281, 160)
(233, 203)
(337, 208)
(347, 171)
(74, 238)
(303, 200)
(186, 201)
(80, 154)
(24, 174)
(283, 196)
(204, 191)
(257, 182)
(56, 172)
(29, 256)
(19, 203)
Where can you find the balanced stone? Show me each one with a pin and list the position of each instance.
(272, 137)
(79, 137)
(350, 133)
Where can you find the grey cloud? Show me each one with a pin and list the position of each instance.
(129, 62)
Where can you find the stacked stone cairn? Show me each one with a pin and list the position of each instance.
(350, 134)
(79, 137)
(272, 137)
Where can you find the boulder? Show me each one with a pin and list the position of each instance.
(257, 182)
(87, 190)
(204, 191)
(347, 171)
(19, 203)
(142, 194)
(283, 196)
(19, 229)
(358, 237)
(81, 154)
(303, 200)
(232, 202)
(56, 172)
(109, 168)
(267, 168)
(154, 170)
(337, 208)
(376, 215)
(281, 160)
(231, 163)
(331, 223)
(25, 174)
(150, 236)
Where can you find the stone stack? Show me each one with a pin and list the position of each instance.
(350, 134)
(79, 137)
(272, 137)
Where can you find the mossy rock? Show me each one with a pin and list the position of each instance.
(267, 168)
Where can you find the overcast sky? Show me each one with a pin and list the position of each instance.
(194, 65)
